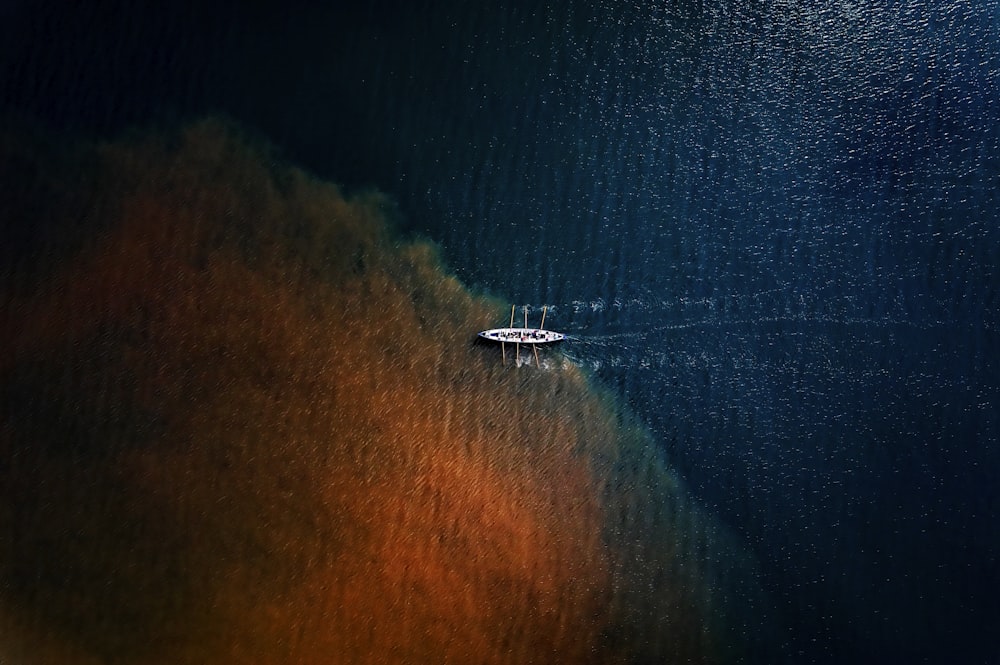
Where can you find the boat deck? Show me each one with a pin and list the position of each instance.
(522, 335)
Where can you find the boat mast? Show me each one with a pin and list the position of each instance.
(517, 347)
(534, 347)
(503, 347)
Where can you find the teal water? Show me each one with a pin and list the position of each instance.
(771, 228)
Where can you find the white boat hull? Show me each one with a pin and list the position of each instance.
(522, 335)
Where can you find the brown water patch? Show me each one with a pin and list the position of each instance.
(244, 422)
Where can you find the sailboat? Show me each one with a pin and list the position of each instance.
(525, 335)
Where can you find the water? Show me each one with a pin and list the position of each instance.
(770, 227)
(773, 229)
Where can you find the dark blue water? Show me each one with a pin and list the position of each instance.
(771, 227)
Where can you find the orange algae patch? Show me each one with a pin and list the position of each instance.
(473, 566)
